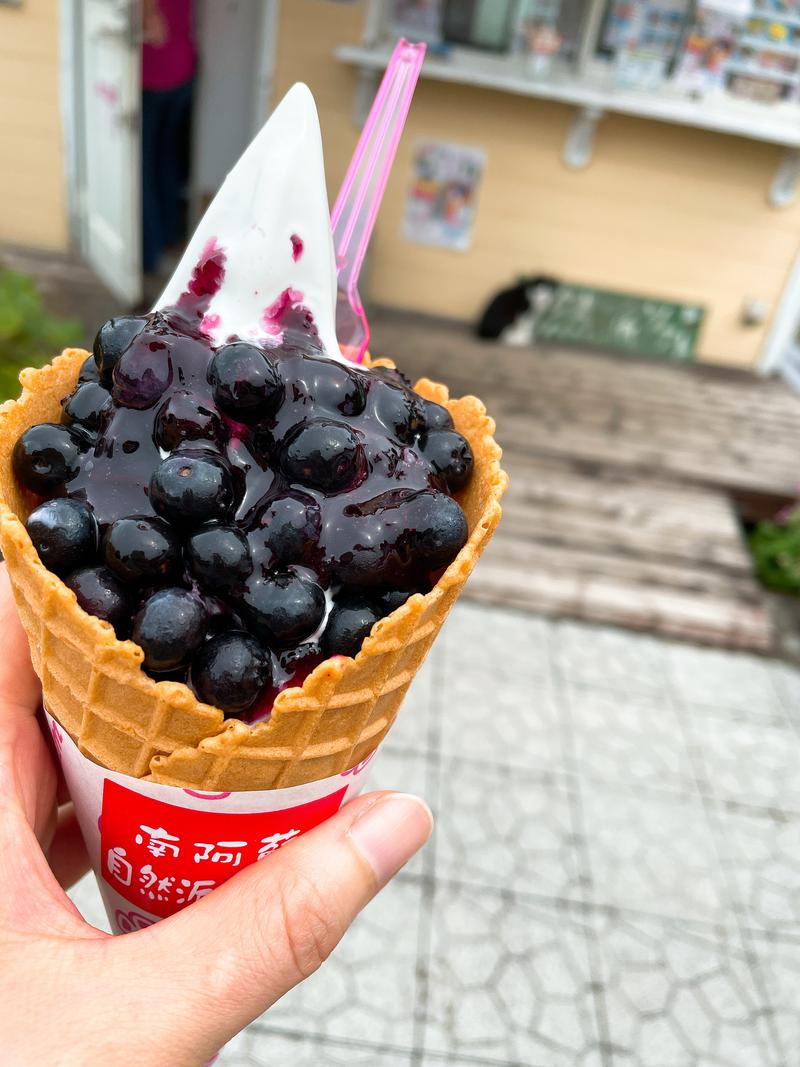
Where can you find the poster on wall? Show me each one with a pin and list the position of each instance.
(442, 201)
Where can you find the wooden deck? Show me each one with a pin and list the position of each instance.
(623, 475)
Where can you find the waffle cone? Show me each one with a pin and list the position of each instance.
(124, 720)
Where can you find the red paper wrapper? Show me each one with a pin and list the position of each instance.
(156, 848)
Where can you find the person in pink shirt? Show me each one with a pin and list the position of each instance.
(169, 60)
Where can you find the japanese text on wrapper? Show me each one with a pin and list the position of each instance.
(161, 844)
(162, 856)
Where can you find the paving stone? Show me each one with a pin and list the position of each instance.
(652, 852)
(634, 738)
(679, 996)
(509, 981)
(606, 656)
(259, 1046)
(508, 829)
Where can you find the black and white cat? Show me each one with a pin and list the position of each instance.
(511, 315)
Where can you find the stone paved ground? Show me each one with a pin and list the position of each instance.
(614, 879)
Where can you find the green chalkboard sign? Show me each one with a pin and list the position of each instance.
(635, 324)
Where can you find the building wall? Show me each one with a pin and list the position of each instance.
(33, 209)
(663, 210)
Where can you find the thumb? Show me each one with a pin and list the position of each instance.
(232, 954)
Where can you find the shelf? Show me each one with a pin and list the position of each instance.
(773, 123)
(761, 44)
(752, 70)
(774, 16)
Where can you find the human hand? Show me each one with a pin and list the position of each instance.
(173, 993)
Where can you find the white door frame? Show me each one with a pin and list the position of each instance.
(69, 88)
(785, 324)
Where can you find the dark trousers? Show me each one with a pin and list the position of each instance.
(165, 123)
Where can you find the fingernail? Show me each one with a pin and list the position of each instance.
(388, 833)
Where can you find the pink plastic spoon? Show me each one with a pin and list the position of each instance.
(356, 208)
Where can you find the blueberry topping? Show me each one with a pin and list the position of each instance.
(142, 375)
(186, 417)
(289, 527)
(192, 488)
(396, 408)
(231, 671)
(434, 416)
(90, 372)
(245, 383)
(324, 455)
(100, 593)
(87, 406)
(441, 529)
(64, 533)
(450, 456)
(141, 550)
(232, 486)
(300, 658)
(219, 557)
(392, 599)
(46, 457)
(348, 624)
(113, 339)
(169, 628)
(283, 608)
(328, 385)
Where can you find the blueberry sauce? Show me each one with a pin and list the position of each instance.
(263, 491)
(297, 246)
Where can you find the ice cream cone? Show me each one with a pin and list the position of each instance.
(121, 718)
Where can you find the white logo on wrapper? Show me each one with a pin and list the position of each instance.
(274, 842)
(119, 866)
(220, 852)
(159, 841)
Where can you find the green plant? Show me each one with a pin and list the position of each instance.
(775, 546)
(29, 336)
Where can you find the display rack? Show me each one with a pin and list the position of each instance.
(589, 85)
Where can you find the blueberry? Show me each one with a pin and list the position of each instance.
(329, 386)
(399, 539)
(221, 616)
(245, 383)
(113, 339)
(89, 371)
(434, 416)
(348, 624)
(100, 593)
(283, 607)
(142, 375)
(302, 657)
(231, 671)
(186, 417)
(391, 375)
(290, 526)
(46, 457)
(219, 557)
(87, 406)
(169, 627)
(441, 529)
(191, 488)
(141, 550)
(324, 455)
(396, 407)
(392, 599)
(450, 456)
(64, 533)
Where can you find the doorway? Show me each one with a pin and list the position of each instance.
(235, 41)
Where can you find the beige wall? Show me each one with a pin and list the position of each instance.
(32, 185)
(667, 210)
